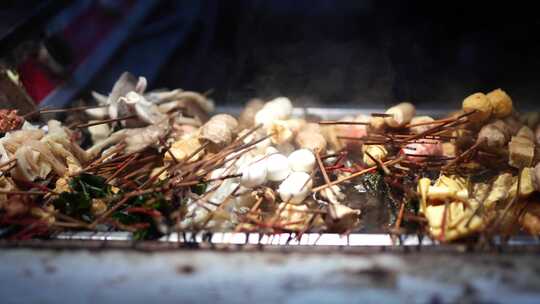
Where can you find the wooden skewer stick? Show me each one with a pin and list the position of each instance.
(379, 163)
(11, 161)
(462, 155)
(105, 121)
(426, 123)
(74, 109)
(400, 216)
(32, 113)
(440, 126)
(3, 172)
(337, 122)
(168, 150)
(122, 167)
(109, 153)
(381, 115)
(356, 174)
(321, 167)
(331, 208)
(256, 205)
(122, 201)
(442, 236)
(222, 178)
(23, 192)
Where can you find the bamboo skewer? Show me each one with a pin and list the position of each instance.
(381, 115)
(337, 122)
(356, 174)
(15, 192)
(379, 163)
(9, 162)
(74, 109)
(121, 168)
(104, 121)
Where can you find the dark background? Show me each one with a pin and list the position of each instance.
(331, 53)
(361, 52)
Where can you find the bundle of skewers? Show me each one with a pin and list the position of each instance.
(158, 162)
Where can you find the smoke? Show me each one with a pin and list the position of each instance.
(363, 53)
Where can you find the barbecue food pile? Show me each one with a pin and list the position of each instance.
(158, 162)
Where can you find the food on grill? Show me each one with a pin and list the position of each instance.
(161, 161)
(480, 104)
(500, 102)
(400, 115)
(9, 120)
(219, 131)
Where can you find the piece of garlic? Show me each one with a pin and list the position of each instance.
(302, 160)
(295, 188)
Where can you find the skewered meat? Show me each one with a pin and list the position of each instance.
(420, 152)
(376, 151)
(480, 103)
(530, 119)
(219, 131)
(230, 185)
(247, 117)
(422, 128)
(183, 148)
(377, 124)
(493, 136)
(500, 102)
(279, 132)
(10, 121)
(521, 152)
(353, 131)
(313, 141)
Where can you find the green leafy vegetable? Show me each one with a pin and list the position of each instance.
(78, 201)
(94, 185)
(73, 203)
(199, 189)
(131, 218)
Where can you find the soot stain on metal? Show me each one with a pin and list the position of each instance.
(49, 269)
(377, 275)
(185, 269)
